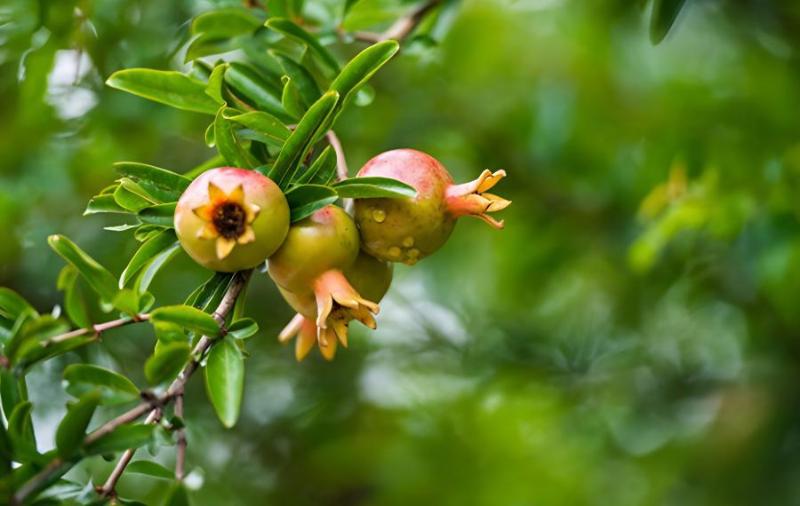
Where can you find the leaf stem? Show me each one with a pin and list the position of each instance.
(342, 172)
(401, 28)
(97, 328)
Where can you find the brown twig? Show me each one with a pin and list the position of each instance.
(97, 329)
(180, 451)
(174, 390)
(107, 490)
(342, 172)
(401, 28)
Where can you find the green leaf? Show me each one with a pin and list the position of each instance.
(322, 171)
(72, 429)
(166, 87)
(373, 187)
(243, 329)
(306, 85)
(176, 496)
(187, 317)
(147, 274)
(305, 199)
(146, 252)
(12, 304)
(12, 391)
(665, 12)
(113, 387)
(224, 376)
(95, 274)
(228, 22)
(362, 67)
(216, 82)
(263, 123)
(105, 203)
(291, 30)
(122, 438)
(160, 214)
(290, 98)
(6, 453)
(130, 200)
(302, 137)
(208, 295)
(75, 304)
(246, 81)
(20, 432)
(167, 361)
(228, 145)
(150, 468)
(161, 177)
(126, 301)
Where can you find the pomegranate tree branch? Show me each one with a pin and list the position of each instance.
(97, 328)
(108, 487)
(180, 451)
(401, 28)
(57, 466)
(342, 172)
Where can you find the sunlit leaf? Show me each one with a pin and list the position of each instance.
(95, 274)
(373, 187)
(165, 86)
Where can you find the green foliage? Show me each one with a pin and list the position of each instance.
(224, 376)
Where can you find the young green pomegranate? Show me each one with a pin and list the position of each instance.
(309, 270)
(369, 276)
(409, 229)
(231, 219)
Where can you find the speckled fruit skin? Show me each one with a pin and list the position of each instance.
(270, 226)
(328, 239)
(404, 229)
(369, 276)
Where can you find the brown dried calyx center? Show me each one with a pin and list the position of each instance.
(230, 220)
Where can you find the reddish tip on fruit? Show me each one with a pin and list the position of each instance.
(407, 230)
(231, 219)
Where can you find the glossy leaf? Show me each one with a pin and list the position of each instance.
(322, 171)
(122, 438)
(187, 317)
(75, 304)
(362, 67)
(146, 252)
(113, 387)
(150, 468)
(167, 361)
(243, 328)
(306, 85)
(291, 30)
(302, 137)
(373, 187)
(166, 87)
(216, 81)
(20, 432)
(665, 12)
(290, 98)
(160, 214)
(104, 204)
(149, 272)
(156, 175)
(305, 199)
(228, 145)
(263, 123)
(132, 201)
(224, 375)
(228, 22)
(72, 429)
(246, 82)
(95, 274)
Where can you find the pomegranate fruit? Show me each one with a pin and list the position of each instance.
(309, 270)
(409, 229)
(368, 276)
(230, 219)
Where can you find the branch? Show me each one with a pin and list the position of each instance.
(97, 329)
(108, 487)
(180, 451)
(401, 28)
(342, 172)
(152, 404)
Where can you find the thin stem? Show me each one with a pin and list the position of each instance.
(107, 490)
(180, 451)
(96, 329)
(175, 389)
(342, 172)
(401, 28)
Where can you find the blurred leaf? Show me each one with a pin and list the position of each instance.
(227, 22)
(246, 81)
(243, 329)
(160, 214)
(187, 317)
(75, 305)
(263, 123)
(12, 305)
(291, 30)
(20, 433)
(150, 468)
(166, 87)
(12, 391)
(302, 79)
(167, 361)
(113, 387)
(216, 81)
(176, 496)
(72, 429)
(161, 177)
(290, 98)
(322, 171)
(228, 145)
(6, 453)
(224, 374)
(126, 301)
(665, 12)
(209, 294)
(122, 438)
(146, 252)
(305, 199)
(373, 187)
(302, 137)
(206, 45)
(95, 274)
(104, 204)
(147, 274)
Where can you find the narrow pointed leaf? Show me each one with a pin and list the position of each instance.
(290, 98)
(245, 81)
(665, 12)
(158, 176)
(373, 187)
(72, 429)
(146, 252)
(305, 199)
(150, 468)
(322, 171)
(122, 438)
(12, 304)
(291, 30)
(166, 87)
(187, 317)
(302, 79)
(104, 204)
(262, 123)
(362, 67)
(227, 22)
(160, 214)
(229, 145)
(95, 274)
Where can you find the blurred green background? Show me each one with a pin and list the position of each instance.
(631, 337)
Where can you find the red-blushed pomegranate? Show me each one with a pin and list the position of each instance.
(409, 229)
(309, 269)
(368, 276)
(230, 219)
